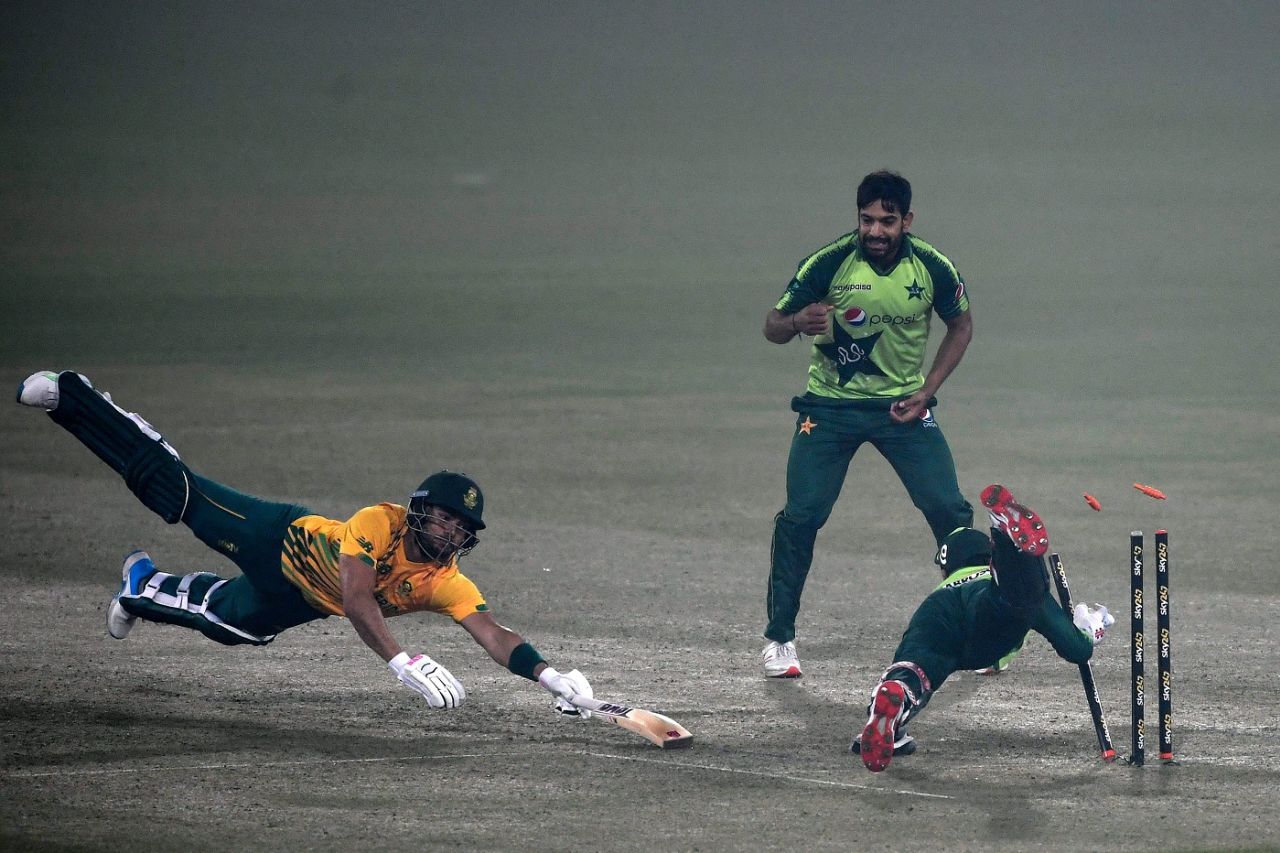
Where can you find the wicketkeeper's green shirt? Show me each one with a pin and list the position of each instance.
(880, 324)
(983, 644)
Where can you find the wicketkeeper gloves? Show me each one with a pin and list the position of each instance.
(1093, 621)
(429, 678)
(564, 686)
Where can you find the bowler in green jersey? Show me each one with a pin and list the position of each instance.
(867, 299)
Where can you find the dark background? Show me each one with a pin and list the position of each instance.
(328, 248)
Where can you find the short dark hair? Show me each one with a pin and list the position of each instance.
(889, 188)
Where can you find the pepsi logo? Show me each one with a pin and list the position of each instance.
(855, 317)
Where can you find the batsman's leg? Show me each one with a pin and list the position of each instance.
(124, 440)
(157, 596)
(249, 531)
(231, 612)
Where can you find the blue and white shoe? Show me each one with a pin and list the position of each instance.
(39, 390)
(137, 569)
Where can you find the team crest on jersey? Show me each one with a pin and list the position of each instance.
(855, 316)
(849, 355)
(469, 499)
(405, 587)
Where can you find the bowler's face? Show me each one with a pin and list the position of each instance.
(880, 231)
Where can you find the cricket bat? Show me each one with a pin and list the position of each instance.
(661, 730)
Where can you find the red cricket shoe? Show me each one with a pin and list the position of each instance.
(887, 709)
(1021, 523)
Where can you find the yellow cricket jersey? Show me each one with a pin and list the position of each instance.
(375, 535)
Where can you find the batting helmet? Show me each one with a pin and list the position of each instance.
(455, 492)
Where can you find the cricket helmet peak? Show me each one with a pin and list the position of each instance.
(962, 548)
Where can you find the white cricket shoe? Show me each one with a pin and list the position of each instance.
(780, 660)
(137, 567)
(40, 390)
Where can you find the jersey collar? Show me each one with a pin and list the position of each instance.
(963, 576)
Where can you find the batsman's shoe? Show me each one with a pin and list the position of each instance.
(904, 744)
(137, 568)
(1021, 523)
(880, 735)
(780, 660)
(40, 390)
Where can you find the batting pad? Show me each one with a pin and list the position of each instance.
(134, 450)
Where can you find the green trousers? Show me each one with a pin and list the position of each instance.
(250, 531)
(977, 623)
(827, 435)
(251, 608)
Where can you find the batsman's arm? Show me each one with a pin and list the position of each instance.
(498, 640)
(512, 651)
(359, 606)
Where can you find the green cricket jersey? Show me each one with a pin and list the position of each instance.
(985, 642)
(880, 324)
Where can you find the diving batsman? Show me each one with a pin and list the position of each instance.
(384, 561)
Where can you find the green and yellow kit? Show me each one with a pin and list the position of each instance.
(880, 321)
(375, 536)
(967, 622)
(873, 356)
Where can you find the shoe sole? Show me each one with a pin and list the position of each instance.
(876, 747)
(1027, 532)
(903, 745)
(791, 672)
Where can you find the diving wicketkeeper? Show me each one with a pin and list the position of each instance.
(994, 590)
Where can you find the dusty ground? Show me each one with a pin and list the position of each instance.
(323, 277)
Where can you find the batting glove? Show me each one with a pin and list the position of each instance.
(1093, 622)
(564, 686)
(429, 678)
